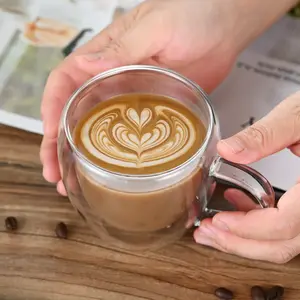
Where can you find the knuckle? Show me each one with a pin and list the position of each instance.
(118, 48)
(296, 113)
(291, 106)
(259, 134)
(296, 110)
(291, 230)
(138, 11)
(106, 35)
(287, 230)
(284, 255)
(133, 16)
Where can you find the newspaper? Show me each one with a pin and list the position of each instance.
(32, 44)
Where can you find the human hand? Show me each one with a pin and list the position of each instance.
(185, 35)
(271, 234)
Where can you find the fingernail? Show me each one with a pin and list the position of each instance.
(204, 236)
(92, 56)
(204, 240)
(98, 57)
(233, 145)
(220, 224)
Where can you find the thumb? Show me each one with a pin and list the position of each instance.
(276, 131)
(134, 44)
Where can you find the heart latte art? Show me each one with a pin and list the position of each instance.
(139, 135)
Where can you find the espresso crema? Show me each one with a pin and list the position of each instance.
(139, 134)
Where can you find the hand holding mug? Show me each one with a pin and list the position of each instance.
(271, 234)
(183, 35)
(138, 157)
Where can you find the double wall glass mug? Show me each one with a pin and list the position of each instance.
(148, 211)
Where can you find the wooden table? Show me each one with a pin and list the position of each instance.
(34, 264)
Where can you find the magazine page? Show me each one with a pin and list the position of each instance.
(36, 37)
(13, 111)
(255, 86)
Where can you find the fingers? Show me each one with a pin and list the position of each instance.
(67, 77)
(240, 200)
(59, 88)
(131, 47)
(273, 251)
(48, 156)
(117, 40)
(60, 85)
(61, 188)
(265, 224)
(63, 81)
(278, 130)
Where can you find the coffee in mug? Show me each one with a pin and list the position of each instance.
(140, 134)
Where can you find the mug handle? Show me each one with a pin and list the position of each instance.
(243, 177)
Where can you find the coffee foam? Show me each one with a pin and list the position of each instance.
(139, 134)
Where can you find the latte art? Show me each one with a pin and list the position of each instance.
(139, 136)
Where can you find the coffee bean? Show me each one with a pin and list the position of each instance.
(61, 230)
(275, 293)
(223, 293)
(257, 293)
(11, 223)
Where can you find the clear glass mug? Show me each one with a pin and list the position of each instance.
(148, 211)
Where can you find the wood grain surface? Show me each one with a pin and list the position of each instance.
(34, 264)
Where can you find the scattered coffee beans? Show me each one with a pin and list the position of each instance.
(61, 230)
(11, 224)
(223, 293)
(275, 293)
(257, 293)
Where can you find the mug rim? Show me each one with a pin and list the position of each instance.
(131, 68)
